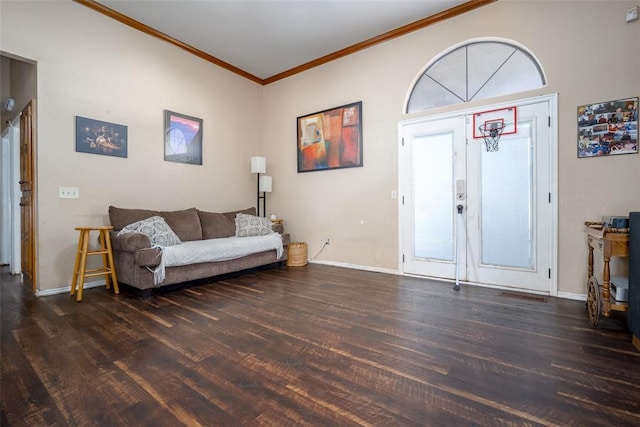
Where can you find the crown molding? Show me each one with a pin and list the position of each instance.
(398, 32)
(92, 4)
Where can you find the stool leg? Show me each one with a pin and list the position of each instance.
(74, 281)
(83, 263)
(111, 266)
(105, 264)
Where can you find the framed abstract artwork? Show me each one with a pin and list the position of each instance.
(98, 137)
(182, 138)
(330, 139)
(608, 128)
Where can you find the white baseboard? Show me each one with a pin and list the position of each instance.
(89, 285)
(357, 267)
(569, 295)
(67, 289)
(565, 295)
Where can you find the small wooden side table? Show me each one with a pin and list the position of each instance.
(611, 242)
(277, 225)
(80, 271)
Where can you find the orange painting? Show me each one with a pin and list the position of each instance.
(330, 139)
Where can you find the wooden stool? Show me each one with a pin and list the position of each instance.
(80, 271)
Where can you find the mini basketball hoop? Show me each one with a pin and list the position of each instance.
(491, 131)
(492, 124)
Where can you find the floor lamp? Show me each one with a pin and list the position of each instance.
(263, 183)
(264, 187)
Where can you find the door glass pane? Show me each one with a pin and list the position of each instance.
(433, 196)
(518, 74)
(477, 70)
(507, 201)
(483, 61)
(429, 94)
(451, 72)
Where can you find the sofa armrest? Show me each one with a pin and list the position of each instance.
(278, 228)
(148, 257)
(129, 242)
(139, 245)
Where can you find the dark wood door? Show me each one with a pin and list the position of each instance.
(27, 186)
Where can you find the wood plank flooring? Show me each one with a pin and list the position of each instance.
(312, 346)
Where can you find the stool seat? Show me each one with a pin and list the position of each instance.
(80, 271)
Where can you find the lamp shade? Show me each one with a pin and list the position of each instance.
(265, 183)
(258, 164)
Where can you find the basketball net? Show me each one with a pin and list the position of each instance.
(491, 133)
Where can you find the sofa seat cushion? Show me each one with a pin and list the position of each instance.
(211, 250)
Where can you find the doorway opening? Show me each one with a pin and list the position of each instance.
(18, 177)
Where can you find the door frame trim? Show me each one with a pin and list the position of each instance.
(552, 100)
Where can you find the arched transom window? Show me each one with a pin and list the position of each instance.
(475, 70)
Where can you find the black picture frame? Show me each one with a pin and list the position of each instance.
(182, 138)
(100, 137)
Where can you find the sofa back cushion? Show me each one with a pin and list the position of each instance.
(185, 223)
(120, 217)
(218, 225)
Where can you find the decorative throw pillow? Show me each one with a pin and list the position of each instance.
(156, 229)
(249, 225)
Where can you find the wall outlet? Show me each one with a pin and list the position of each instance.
(326, 241)
(68, 193)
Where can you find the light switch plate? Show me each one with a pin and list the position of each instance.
(632, 14)
(68, 192)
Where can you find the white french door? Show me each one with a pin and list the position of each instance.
(503, 235)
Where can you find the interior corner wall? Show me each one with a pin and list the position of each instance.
(5, 90)
(92, 66)
(589, 54)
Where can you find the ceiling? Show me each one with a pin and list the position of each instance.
(266, 40)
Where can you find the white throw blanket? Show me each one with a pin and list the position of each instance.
(211, 250)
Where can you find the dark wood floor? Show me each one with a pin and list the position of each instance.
(316, 346)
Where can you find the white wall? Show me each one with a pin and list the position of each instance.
(92, 66)
(589, 55)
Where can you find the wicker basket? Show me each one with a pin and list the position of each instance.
(297, 254)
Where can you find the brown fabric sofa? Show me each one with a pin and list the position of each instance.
(135, 259)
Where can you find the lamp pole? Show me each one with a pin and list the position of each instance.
(258, 194)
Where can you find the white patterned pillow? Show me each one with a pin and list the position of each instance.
(156, 229)
(249, 225)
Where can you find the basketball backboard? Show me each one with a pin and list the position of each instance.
(485, 119)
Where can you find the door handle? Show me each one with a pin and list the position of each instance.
(23, 204)
(22, 182)
(460, 189)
